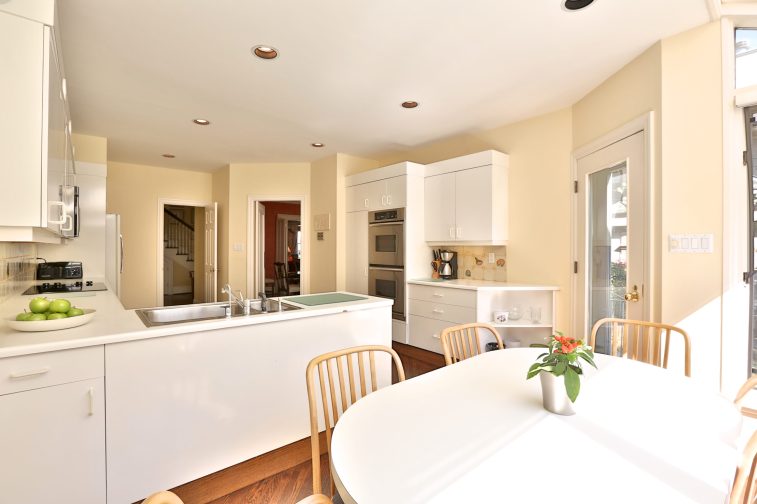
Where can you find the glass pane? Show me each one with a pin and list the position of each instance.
(746, 57)
(607, 245)
(386, 243)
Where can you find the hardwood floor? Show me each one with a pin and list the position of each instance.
(416, 361)
(286, 487)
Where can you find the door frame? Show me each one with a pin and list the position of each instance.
(645, 125)
(162, 202)
(252, 238)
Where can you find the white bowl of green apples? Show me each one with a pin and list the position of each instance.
(50, 315)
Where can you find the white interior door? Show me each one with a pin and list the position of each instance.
(611, 235)
(260, 249)
(211, 253)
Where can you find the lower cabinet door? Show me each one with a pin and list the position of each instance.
(424, 332)
(52, 442)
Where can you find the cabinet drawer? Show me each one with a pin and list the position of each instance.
(440, 311)
(28, 372)
(424, 333)
(445, 295)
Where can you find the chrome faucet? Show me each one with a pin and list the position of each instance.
(240, 301)
(263, 302)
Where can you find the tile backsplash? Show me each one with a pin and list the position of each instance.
(473, 263)
(17, 267)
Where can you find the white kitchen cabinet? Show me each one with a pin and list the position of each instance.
(378, 195)
(52, 427)
(357, 252)
(181, 407)
(466, 200)
(435, 306)
(34, 130)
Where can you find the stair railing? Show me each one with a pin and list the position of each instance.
(178, 234)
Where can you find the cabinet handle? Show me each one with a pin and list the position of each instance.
(436, 294)
(451, 232)
(365, 202)
(435, 336)
(91, 394)
(383, 200)
(50, 205)
(26, 374)
(365, 272)
(389, 199)
(459, 232)
(437, 310)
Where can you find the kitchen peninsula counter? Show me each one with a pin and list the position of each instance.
(114, 324)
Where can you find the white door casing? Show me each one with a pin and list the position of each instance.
(260, 248)
(622, 159)
(210, 269)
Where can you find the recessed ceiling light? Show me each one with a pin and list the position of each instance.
(265, 52)
(574, 5)
(409, 104)
(169, 156)
(317, 144)
(201, 122)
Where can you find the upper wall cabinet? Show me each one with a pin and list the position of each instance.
(466, 199)
(379, 194)
(35, 135)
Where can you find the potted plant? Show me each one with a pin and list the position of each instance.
(562, 362)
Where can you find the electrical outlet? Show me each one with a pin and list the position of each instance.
(492, 259)
(238, 247)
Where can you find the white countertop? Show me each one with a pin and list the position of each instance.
(480, 285)
(114, 324)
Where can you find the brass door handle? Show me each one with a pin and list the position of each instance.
(632, 296)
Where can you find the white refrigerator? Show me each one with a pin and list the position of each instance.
(114, 253)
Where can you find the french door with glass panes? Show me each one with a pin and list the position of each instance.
(610, 228)
(751, 143)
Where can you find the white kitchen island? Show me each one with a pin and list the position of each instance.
(181, 401)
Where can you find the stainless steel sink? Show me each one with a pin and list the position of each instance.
(209, 311)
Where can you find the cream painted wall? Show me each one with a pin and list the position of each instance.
(133, 191)
(538, 249)
(90, 149)
(692, 189)
(258, 179)
(324, 188)
(221, 196)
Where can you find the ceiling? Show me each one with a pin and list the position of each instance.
(139, 71)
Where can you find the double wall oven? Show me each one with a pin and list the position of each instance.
(386, 257)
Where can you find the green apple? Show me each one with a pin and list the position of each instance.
(37, 316)
(39, 305)
(75, 312)
(54, 316)
(23, 317)
(60, 306)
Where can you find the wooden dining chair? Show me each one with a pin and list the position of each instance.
(164, 497)
(339, 379)
(463, 341)
(741, 394)
(643, 341)
(316, 499)
(280, 280)
(744, 488)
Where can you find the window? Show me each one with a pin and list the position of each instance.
(746, 57)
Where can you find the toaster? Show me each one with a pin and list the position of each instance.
(59, 270)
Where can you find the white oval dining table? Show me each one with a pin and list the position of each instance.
(476, 432)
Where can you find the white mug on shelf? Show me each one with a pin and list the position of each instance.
(500, 317)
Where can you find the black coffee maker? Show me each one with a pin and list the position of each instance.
(448, 267)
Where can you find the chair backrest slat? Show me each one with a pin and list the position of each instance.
(642, 341)
(340, 380)
(464, 341)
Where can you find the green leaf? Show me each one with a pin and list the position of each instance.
(534, 370)
(560, 368)
(572, 384)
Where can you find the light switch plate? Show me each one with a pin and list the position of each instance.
(691, 243)
(492, 259)
(238, 247)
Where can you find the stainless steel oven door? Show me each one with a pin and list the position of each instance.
(389, 283)
(386, 244)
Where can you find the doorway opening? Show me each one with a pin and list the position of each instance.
(187, 253)
(279, 261)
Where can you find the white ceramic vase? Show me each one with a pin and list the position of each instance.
(553, 394)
